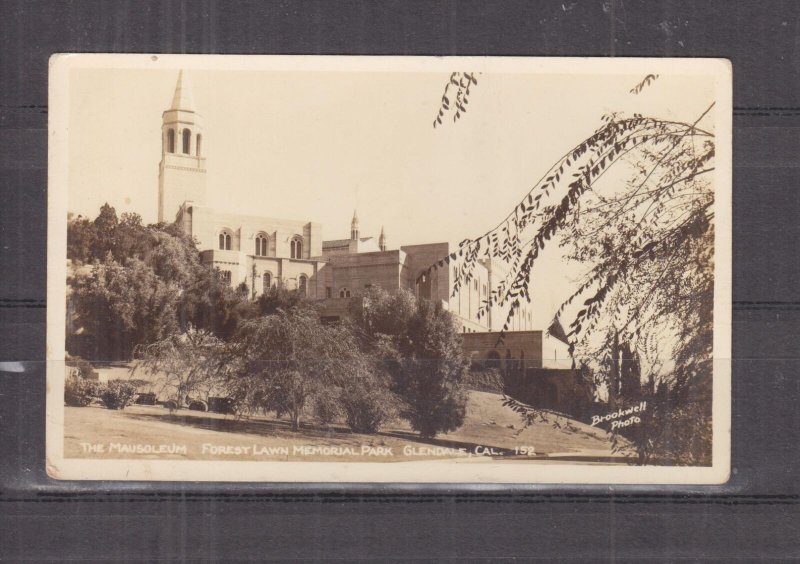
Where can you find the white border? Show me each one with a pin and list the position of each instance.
(451, 471)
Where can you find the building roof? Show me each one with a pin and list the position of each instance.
(336, 243)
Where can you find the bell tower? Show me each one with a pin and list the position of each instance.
(182, 172)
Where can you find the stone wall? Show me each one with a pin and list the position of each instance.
(517, 345)
(358, 271)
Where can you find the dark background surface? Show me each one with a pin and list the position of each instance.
(754, 516)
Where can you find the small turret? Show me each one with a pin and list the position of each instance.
(354, 233)
(382, 240)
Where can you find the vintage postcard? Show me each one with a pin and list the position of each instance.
(389, 269)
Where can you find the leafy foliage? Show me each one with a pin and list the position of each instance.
(645, 236)
(456, 104)
(420, 348)
(486, 379)
(286, 360)
(146, 282)
(277, 298)
(79, 392)
(675, 428)
(364, 398)
(646, 81)
(117, 394)
(625, 232)
(122, 306)
(85, 368)
(185, 365)
(535, 414)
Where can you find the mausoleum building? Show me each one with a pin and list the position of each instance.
(264, 252)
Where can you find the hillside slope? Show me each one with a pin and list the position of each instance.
(488, 422)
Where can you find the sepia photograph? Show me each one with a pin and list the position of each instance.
(389, 269)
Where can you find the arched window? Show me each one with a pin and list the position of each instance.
(267, 281)
(261, 246)
(296, 248)
(170, 140)
(224, 241)
(424, 286)
(344, 293)
(302, 284)
(199, 144)
(225, 276)
(187, 140)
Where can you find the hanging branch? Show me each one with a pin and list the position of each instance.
(457, 104)
(669, 160)
(646, 81)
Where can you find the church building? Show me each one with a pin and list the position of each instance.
(265, 252)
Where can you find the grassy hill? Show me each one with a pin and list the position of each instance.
(488, 422)
(488, 425)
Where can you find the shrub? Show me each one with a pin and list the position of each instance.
(442, 416)
(117, 394)
(79, 392)
(367, 410)
(367, 402)
(327, 408)
(485, 380)
(85, 369)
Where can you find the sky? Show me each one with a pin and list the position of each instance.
(317, 144)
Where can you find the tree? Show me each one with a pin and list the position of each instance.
(287, 360)
(644, 234)
(365, 396)
(148, 283)
(210, 303)
(420, 347)
(620, 370)
(276, 298)
(361, 395)
(105, 226)
(81, 239)
(184, 365)
(120, 307)
(130, 238)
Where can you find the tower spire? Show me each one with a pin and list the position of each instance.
(382, 240)
(182, 99)
(354, 232)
